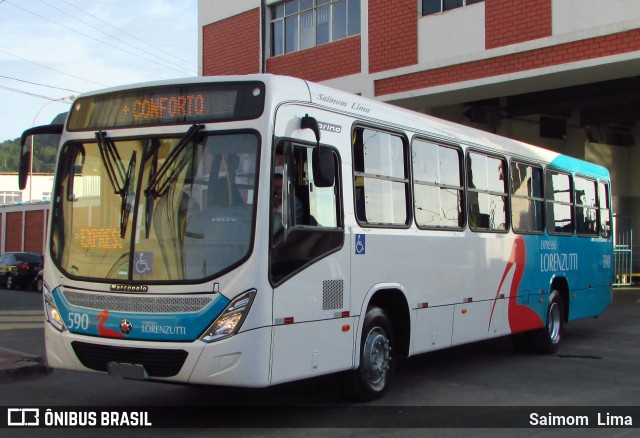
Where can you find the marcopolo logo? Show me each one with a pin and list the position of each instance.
(129, 288)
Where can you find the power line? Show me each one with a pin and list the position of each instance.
(92, 38)
(116, 38)
(40, 85)
(39, 96)
(128, 34)
(52, 69)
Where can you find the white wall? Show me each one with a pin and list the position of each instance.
(453, 33)
(39, 184)
(216, 10)
(588, 15)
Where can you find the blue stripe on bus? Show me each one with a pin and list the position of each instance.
(570, 258)
(579, 166)
(138, 326)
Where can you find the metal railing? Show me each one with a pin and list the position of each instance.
(622, 251)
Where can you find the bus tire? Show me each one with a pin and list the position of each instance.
(547, 339)
(372, 379)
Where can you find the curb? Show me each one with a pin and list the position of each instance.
(15, 365)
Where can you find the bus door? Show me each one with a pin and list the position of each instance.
(308, 266)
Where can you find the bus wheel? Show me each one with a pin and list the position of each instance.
(547, 339)
(372, 378)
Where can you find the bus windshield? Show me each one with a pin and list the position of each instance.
(155, 209)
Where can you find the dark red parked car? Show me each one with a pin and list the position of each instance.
(19, 269)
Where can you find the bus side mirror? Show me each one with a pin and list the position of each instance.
(324, 169)
(25, 165)
(25, 157)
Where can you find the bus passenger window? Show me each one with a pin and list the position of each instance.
(526, 198)
(438, 185)
(559, 197)
(586, 207)
(486, 192)
(605, 211)
(381, 181)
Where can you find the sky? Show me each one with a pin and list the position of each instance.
(51, 50)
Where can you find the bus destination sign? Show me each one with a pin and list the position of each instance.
(188, 104)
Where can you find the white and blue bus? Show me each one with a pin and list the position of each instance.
(255, 230)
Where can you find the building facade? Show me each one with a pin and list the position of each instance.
(39, 187)
(562, 74)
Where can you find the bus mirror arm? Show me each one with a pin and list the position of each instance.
(25, 157)
(311, 123)
(323, 164)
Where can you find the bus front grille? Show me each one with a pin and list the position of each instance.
(157, 363)
(137, 303)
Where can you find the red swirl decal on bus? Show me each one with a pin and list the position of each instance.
(104, 331)
(521, 317)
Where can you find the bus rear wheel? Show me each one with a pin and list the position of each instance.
(547, 339)
(372, 378)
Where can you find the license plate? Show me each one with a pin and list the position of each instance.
(127, 370)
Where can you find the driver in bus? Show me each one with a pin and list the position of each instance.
(276, 203)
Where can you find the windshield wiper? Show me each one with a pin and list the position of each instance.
(120, 180)
(109, 154)
(159, 184)
(152, 151)
(127, 202)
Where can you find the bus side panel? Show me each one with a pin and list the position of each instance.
(583, 263)
(432, 329)
(591, 294)
(311, 349)
(586, 303)
(241, 360)
(474, 321)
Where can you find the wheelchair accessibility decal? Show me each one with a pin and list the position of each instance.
(143, 262)
(360, 244)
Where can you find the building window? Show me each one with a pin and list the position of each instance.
(437, 6)
(10, 197)
(301, 24)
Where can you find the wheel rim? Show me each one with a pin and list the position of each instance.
(9, 282)
(555, 322)
(376, 358)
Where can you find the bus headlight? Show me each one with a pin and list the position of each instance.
(51, 311)
(230, 321)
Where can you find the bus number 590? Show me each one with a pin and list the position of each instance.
(78, 321)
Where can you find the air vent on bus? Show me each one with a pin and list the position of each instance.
(332, 294)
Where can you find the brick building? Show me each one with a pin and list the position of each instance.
(563, 74)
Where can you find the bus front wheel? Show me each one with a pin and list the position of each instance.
(372, 378)
(547, 339)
